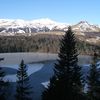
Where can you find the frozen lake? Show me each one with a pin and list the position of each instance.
(31, 68)
(40, 69)
(15, 58)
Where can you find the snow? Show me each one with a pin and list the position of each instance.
(20, 31)
(45, 21)
(98, 64)
(45, 84)
(88, 65)
(32, 68)
(11, 23)
(97, 38)
(10, 78)
(85, 26)
(20, 23)
(13, 66)
(39, 25)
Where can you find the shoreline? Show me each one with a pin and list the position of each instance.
(31, 57)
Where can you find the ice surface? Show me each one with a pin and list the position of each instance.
(32, 68)
(15, 58)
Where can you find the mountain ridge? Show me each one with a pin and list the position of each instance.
(11, 26)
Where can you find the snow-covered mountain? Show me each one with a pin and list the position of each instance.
(22, 26)
(12, 27)
(84, 26)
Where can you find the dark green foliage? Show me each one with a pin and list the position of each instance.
(66, 84)
(3, 85)
(94, 81)
(23, 89)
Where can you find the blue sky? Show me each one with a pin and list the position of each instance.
(68, 11)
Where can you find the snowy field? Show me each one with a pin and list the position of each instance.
(40, 69)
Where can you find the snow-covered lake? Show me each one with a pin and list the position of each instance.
(12, 61)
(15, 58)
(40, 69)
(31, 68)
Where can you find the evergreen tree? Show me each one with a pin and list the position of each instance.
(94, 81)
(3, 85)
(66, 84)
(23, 89)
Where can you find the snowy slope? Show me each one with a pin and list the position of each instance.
(22, 26)
(84, 26)
(45, 24)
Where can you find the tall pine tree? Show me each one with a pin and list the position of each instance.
(66, 84)
(23, 89)
(3, 85)
(94, 80)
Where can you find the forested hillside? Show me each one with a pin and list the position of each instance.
(40, 43)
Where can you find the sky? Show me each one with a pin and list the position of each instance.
(66, 11)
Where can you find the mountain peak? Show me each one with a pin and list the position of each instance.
(44, 21)
(43, 24)
(84, 22)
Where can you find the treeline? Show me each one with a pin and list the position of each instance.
(40, 43)
(36, 43)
